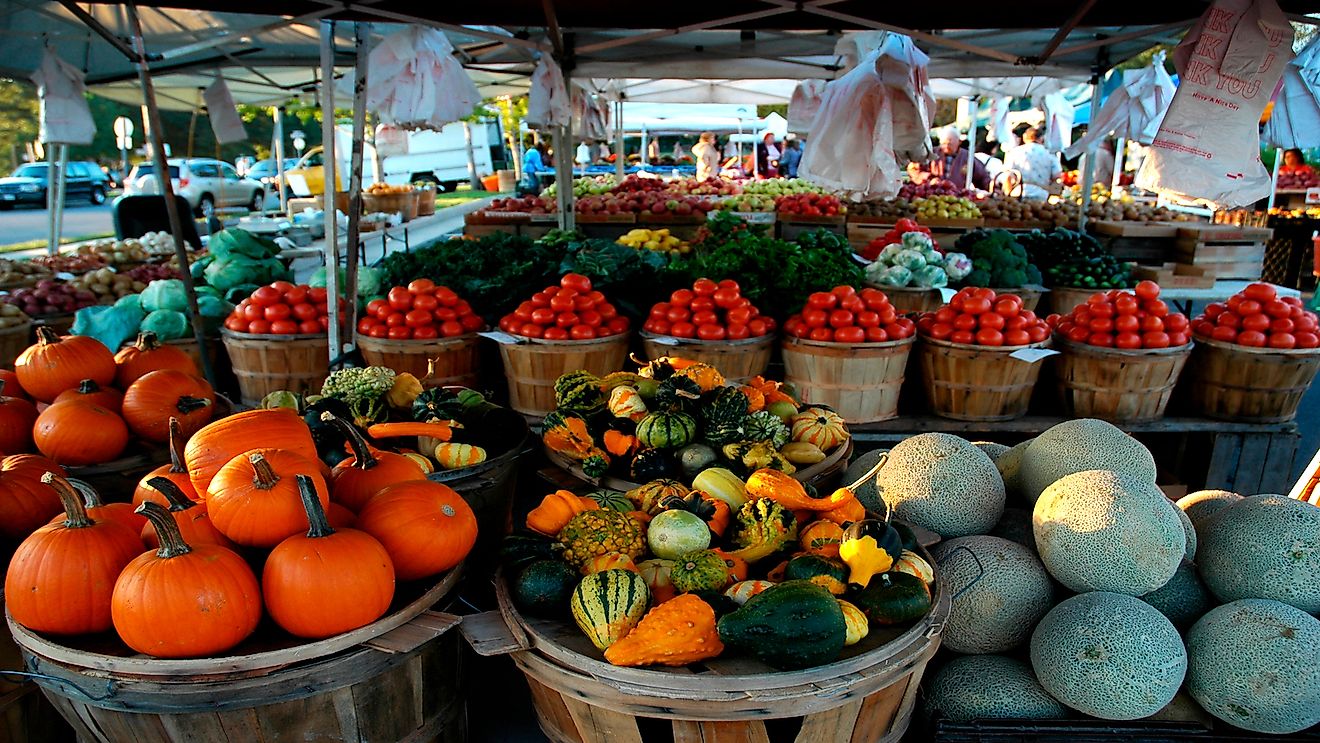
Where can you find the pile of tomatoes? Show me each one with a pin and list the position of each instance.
(1257, 316)
(845, 315)
(570, 311)
(709, 311)
(419, 311)
(282, 308)
(1124, 319)
(979, 317)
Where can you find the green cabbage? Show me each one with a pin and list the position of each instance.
(227, 273)
(168, 325)
(165, 294)
(235, 242)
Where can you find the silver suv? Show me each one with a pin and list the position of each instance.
(205, 184)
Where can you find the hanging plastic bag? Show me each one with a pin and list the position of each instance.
(548, 103)
(1295, 121)
(1208, 146)
(225, 122)
(417, 83)
(998, 129)
(591, 114)
(65, 117)
(1059, 115)
(1133, 111)
(804, 104)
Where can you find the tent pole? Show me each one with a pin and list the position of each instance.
(361, 34)
(471, 157)
(62, 178)
(646, 159)
(156, 137)
(1274, 176)
(57, 159)
(331, 184)
(1120, 148)
(971, 143)
(620, 164)
(278, 152)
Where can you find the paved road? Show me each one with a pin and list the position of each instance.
(24, 223)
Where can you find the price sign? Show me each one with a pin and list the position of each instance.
(1313, 195)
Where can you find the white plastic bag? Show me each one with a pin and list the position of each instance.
(1295, 121)
(1134, 110)
(416, 83)
(804, 104)
(225, 122)
(1059, 115)
(65, 117)
(548, 103)
(998, 129)
(591, 114)
(1208, 147)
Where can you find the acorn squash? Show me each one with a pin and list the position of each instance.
(793, 625)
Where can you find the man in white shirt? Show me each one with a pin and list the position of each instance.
(1039, 167)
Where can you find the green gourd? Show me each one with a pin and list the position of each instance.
(543, 588)
(698, 571)
(826, 572)
(894, 598)
(579, 392)
(651, 464)
(611, 499)
(667, 430)
(796, 624)
(607, 605)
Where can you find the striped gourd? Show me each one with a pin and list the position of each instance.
(452, 456)
(854, 619)
(608, 604)
(666, 430)
(612, 499)
(741, 591)
(579, 391)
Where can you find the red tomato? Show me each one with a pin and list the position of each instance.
(1152, 324)
(822, 301)
(307, 311)
(976, 305)
(1038, 333)
(841, 318)
(1294, 301)
(887, 314)
(659, 311)
(853, 304)
(417, 318)
(946, 314)
(539, 299)
(282, 286)
(1178, 339)
(1282, 340)
(581, 332)
(524, 312)
(1102, 325)
(606, 311)
(566, 320)
(1081, 315)
(940, 331)
(1307, 340)
(1176, 322)
(254, 312)
(1101, 339)
(556, 333)
(259, 327)
(681, 298)
(843, 291)
(822, 334)
(1127, 324)
(596, 297)
(1277, 308)
(1203, 327)
(1259, 291)
(400, 298)
(400, 333)
(1249, 307)
(295, 295)
(1226, 333)
(1016, 338)
(661, 327)
(447, 297)
(380, 331)
(582, 302)
(365, 325)
(683, 329)
(590, 317)
(964, 337)
(451, 328)
(984, 293)
(1253, 338)
(989, 337)
(236, 324)
(1147, 290)
(736, 332)
(421, 286)
(701, 304)
(395, 319)
(758, 327)
(991, 320)
(710, 318)
(815, 318)
(726, 298)
(1155, 339)
(1127, 340)
(851, 334)
(964, 322)
(711, 332)
(426, 333)
(1214, 309)
(543, 316)
(1306, 323)
(1258, 322)
(267, 295)
(1078, 334)
(575, 281)
(1229, 320)
(877, 301)
(868, 319)
(738, 316)
(1126, 304)
(1008, 305)
(677, 314)
(1102, 309)
(561, 303)
(875, 335)
(704, 287)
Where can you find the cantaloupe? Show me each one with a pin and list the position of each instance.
(943, 483)
(1015, 526)
(1109, 655)
(986, 687)
(1080, 445)
(1264, 547)
(1202, 505)
(1189, 531)
(866, 491)
(1183, 599)
(1010, 469)
(1103, 531)
(1253, 663)
(999, 589)
(992, 449)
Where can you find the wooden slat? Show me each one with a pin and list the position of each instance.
(1251, 463)
(553, 713)
(1223, 461)
(488, 634)
(831, 726)
(744, 731)
(422, 629)
(1032, 424)
(1277, 476)
(600, 725)
(877, 713)
(197, 728)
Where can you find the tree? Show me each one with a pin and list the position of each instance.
(19, 118)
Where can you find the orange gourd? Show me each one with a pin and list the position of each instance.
(184, 601)
(99, 510)
(707, 377)
(354, 480)
(79, 433)
(425, 526)
(156, 397)
(89, 391)
(788, 492)
(190, 516)
(609, 561)
(254, 499)
(26, 504)
(220, 441)
(620, 444)
(56, 363)
(16, 418)
(61, 577)
(176, 472)
(736, 566)
(674, 633)
(326, 582)
(148, 354)
(556, 510)
(821, 537)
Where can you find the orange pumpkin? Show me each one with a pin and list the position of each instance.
(89, 391)
(326, 582)
(220, 441)
(354, 480)
(12, 386)
(148, 354)
(156, 397)
(340, 517)
(736, 565)
(425, 526)
(16, 418)
(25, 503)
(190, 516)
(175, 472)
(821, 537)
(56, 363)
(61, 577)
(99, 510)
(79, 433)
(254, 498)
(556, 510)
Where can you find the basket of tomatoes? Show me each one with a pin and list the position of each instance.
(980, 357)
(1256, 355)
(276, 340)
(425, 330)
(848, 350)
(712, 323)
(1121, 354)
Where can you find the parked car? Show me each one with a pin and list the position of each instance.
(28, 184)
(265, 171)
(205, 184)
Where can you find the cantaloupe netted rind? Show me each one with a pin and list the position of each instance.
(1189, 531)
(1204, 504)
(1255, 664)
(1079, 445)
(992, 449)
(1015, 526)
(1184, 598)
(1103, 531)
(1109, 655)
(859, 466)
(1264, 547)
(1010, 469)
(985, 687)
(943, 483)
(999, 588)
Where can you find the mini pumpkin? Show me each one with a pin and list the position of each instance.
(822, 537)
(158, 396)
(425, 526)
(220, 441)
(707, 377)
(354, 480)
(89, 391)
(99, 510)
(821, 427)
(79, 433)
(190, 516)
(254, 499)
(176, 472)
(56, 363)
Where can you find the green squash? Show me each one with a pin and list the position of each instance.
(766, 426)
(894, 598)
(579, 392)
(668, 430)
(722, 418)
(437, 402)
(607, 605)
(612, 499)
(677, 393)
(826, 572)
(543, 588)
(651, 464)
(796, 624)
(699, 571)
(694, 458)
(520, 550)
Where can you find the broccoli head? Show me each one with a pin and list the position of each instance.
(363, 390)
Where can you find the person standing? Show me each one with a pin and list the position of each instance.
(1038, 167)
(533, 164)
(653, 151)
(949, 162)
(603, 151)
(788, 162)
(707, 156)
(767, 157)
(986, 155)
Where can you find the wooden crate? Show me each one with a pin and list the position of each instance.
(1176, 275)
(790, 226)
(1120, 228)
(482, 230)
(1229, 252)
(1138, 249)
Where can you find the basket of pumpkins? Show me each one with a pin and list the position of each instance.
(679, 419)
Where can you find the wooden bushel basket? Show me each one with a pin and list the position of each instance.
(860, 381)
(911, 298)
(12, 343)
(533, 364)
(25, 715)
(1258, 385)
(1116, 384)
(1030, 295)
(455, 358)
(1063, 299)
(737, 360)
(977, 383)
(266, 363)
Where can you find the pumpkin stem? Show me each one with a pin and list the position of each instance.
(46, 336)
(167, 530)
(177, 467)
(316, 520)
(263, 475)
(88, 387)
(90, 498)
(147, 341)
(75, 514)
(166, 487)
(363, 459)
(2, 388)
(188, 404)
(430, 370)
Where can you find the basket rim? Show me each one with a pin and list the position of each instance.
(1133, 352)
(227, 333)
(1237, 348)
(24, 327)
(907, 289)
(528, 341)
(767, 339)
(807, 342)
(359, 337)
(976, 347)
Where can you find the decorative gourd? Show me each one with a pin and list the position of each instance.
(609, 561)
(220, 441)
(789, 492)
(722, 419)
(620, 444)
(61, 576)
(611, 499)
(99, 510)
(772, 392)
(694, 458)
(607, 605)
(25, 503)
(544, 587)
(766, 426)
(894, 598)
(826, 572)
(452, 456)
(755, 398)
(89, 391)
(326, 582)
(184, 601)
(674, 633)
(713, 511)
(176, 472)
(556, 510)
(78, 433)
(519, 550)
(190, 516)
(651, 496)
(821, 537)
(595, 532)
(156, 397)
(56, 363)
(146, 355)
(666, 430)
(869, 547)
(913, 564)
(676, 393)
(627, 402)
(801, 453)
(567, 434)
(16, 418)
(423, 463)
(354, 480)
(658, 575)
(676, 532)
(254, 498)
(737, 567)
(651, 464)
(707, 377)
(702, 570)
(858, 627)
(425, 526)
(579, 392)
(437, 402)
(793, 625)
(823, 428)
(721, 483)
(744, 590)
(761, 528)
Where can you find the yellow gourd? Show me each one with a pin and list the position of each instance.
(452, 456)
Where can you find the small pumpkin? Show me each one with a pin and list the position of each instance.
(425, 527)
(184, 601)
(821, 427)
(821, 537)
(25, 503)
(627, 402)
(354, 480)
(176, 472)
(158, 396)
(650, 497)
(14, 389)
(89, 391)
(666, 430)
(609, 561)
(657, 574)
(556, 510)
(325, 582)
(611, 499)
(220, 441)
(743, 590)
(674, 633)
(99, 510)
(190, 516)
(620, 444)
(451, 456)
(254, 499)
(854, 619)
(56, 363)
(147, 354)
(79, 433)
(738, 568)
(651, 464)
(16, 418)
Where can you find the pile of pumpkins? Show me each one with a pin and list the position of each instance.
(220, 536)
